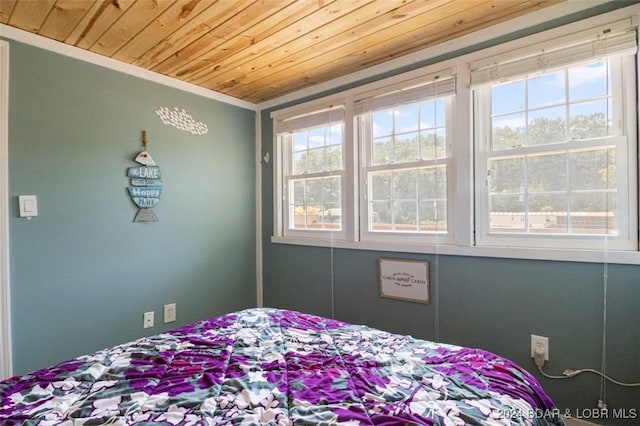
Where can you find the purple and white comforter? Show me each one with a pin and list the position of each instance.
(278, 367)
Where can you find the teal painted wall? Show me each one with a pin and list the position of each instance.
(82, 273)
(490, 303)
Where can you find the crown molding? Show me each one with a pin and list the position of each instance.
(36, 40)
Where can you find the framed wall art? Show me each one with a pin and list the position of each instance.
(404, 279)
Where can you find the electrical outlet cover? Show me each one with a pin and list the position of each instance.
(169, 312)
(540, 343)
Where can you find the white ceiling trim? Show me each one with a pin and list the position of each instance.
(113, 64)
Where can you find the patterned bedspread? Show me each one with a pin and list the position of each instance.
(278, 367)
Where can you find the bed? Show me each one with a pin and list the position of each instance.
(278, 367)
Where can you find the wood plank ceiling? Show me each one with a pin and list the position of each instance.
(257, 50)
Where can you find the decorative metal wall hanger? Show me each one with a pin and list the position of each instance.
(146, 186)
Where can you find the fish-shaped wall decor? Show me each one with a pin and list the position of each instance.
(145, 184)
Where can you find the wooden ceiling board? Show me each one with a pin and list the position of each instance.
(6, 6)
(422, 31)
(257, 50)
(102, 18)
(350, 42)
(128, 25)
(253, 42)
(188, 52)
(29, 15)
(63, 19)
(179, 14)
(192, 30)
(271, 45)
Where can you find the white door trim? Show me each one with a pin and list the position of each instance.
(5, 306)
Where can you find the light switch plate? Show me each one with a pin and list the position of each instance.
(28, 205)
(169, 312)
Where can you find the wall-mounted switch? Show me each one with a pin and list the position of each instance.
(28, 206)
(147, 319)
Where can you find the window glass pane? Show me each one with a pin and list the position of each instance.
(507, 175)
(590, 119)
(593, 169)
(406, 119)
(406, 148)
(314, 191)
(552, 219)
(382, 151)
(404, 185)
(547, 125)
(544, 203)
(380, 184)
(299, 192)
(335, 158)
(300, 141)
(331, 188)
(433, 144)
(380, 215)
(508, 131)
(317, 160)
(300, 162)
(547, 89)
(432, 183)
(433, 216)
(405, 216)
(331, 216)
(335, 135)
(589, 81)
(507, 97)
(507, 213)
(432, 114)
(594, 213)
(316, 203)
(317, 138)
(382, 123)
(546, 173)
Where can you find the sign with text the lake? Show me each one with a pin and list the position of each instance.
(145, 186)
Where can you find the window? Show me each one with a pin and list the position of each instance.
(527, 149)
(553, 150)
(311, 149)
(405, 139)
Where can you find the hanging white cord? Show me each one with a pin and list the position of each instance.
(333, 299)
(605, 281)
(436, 272)
(569, 373)
(331, 230)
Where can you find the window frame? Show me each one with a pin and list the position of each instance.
(364, 138)
(622, 70)
(283, 170)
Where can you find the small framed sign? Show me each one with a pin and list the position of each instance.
(404, 279)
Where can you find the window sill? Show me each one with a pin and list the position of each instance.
(566, 255)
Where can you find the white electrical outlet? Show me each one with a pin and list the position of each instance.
(169, 312)
(540, 343)
(147, 320)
